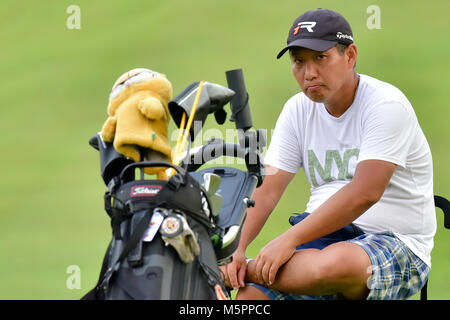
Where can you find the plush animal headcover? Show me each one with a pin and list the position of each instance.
(138, 117)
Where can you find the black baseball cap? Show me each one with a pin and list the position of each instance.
(318, 30)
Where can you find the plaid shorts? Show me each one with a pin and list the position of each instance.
(397, 273)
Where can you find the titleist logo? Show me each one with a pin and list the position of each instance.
(145, 191)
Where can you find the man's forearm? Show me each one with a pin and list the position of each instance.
(339, 210)
(256, 218)
(266, 198)
(367, 187)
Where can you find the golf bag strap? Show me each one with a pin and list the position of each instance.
(106, 274)
(131, 243)
(136, 236)
(214, 280)
(134, 239)
(139, 231)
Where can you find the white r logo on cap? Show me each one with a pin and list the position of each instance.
(308, 25)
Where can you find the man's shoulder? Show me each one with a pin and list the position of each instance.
(378, 90)
(384, 99)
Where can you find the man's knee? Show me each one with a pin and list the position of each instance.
(250, 292)
(344, 266)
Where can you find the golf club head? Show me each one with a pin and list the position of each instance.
(211, 183)
(212, 100)
(216, 204)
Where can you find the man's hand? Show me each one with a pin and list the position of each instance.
(275, 254)
(234, 272)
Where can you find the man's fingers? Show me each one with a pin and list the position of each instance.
(232, 274)
(272, 273)
(265, 272)
(241, 275)
(258, 268)
(262, 270)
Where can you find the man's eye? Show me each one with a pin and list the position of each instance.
(321, 56)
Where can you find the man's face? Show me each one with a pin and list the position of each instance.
(321, 75)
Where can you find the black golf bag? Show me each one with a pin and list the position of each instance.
(179, 261)
(168, 237)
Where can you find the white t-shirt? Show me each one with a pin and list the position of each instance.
(380, 124)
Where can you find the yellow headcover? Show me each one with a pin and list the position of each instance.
(138, 117)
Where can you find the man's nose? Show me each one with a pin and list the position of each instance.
(310, 70)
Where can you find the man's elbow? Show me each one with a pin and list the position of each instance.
(370, 197)
(366, 196)
(371, 180)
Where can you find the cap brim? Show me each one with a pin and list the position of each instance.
(312, 44)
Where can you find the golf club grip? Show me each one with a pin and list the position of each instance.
(239, 104)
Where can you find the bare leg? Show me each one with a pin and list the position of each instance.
(339, 268)
(251, 293)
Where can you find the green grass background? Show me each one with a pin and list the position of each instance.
(54, 87)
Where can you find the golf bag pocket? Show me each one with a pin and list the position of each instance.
(236, 190)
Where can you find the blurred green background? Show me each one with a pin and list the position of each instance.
(55, 83)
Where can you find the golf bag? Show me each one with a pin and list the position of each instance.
(161, 246)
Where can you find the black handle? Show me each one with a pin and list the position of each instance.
(212, 151)
(444, 204)
(239, 104)
(145, 164)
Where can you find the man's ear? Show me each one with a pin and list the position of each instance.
(351, 54)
